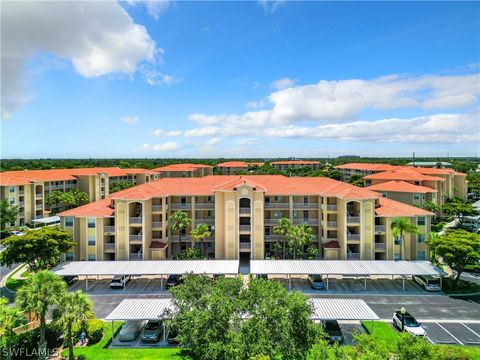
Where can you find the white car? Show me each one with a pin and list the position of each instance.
(410, 325)
(130, 330)
(429, 283)
(119, 281)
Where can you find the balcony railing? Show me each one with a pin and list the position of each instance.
(380, 228)
(21, 214)
(135, 237)
(353, 236)
(208, 221)
(305, 205)
(331, 224)
(306, 221)
(71, 186)
(270, 221)
(181, 206)
(136, 220)
(136, 256)
(331, 207)
(273, 237)
(177, 237)
(156, 224)
(204, 205)
(157, 208)
(109, 229)
(245, 246)
(353, 256)
(277, 205)
(38, 195)
(380, 246)
(245, 210)
(353, 219)
(331, 239)
(245, 228)
(108, 246)
(21, 203)
(21, 192)
(39, 207)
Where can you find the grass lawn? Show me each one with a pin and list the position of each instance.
(99, 352)
(15, 284)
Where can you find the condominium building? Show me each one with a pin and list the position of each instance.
(235, 167)
(348, 222)
(28, 189)
(184, 170)
(291, 164)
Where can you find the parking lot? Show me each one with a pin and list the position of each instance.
(138, 286)
(455, 333)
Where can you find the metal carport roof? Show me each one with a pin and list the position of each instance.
(343, 267)
(140, 309)
(146, 267)
(342, 309)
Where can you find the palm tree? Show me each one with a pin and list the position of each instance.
(179, 221)
(200, 232)
(283, 227)
(299, 236)
(74, 309)
(40, 291)
(10, 318)
(400, 227)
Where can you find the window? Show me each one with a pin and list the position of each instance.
(69, 221)
(91, 240)
(267, 231)
(267, 200)
(421, 238)
(416, 197)
(384, 194)
(11, 188)
(92, 257)
(305, 200)
(12, 201)
(183, 200)
(91, 223)
(397, 240)
(209, 213)
(276, 198)
(421, 255)
(209, 198)
(421, 220)
(397, 257)
(69, 256)
(305, 215)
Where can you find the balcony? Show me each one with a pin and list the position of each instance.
(245, 210)
(177, 237)
(71, 186)
(156, 224)
(136, 220)
(21, 192)
(135, 238)
(109, 246)
(380, 228)
(331, 207)
(136, 256)
(245, 228)
(380, 246)
(245, 246)
(21, 214)
(109, 229)
(353, 219)
(270, 221)
(354, 237)
(274, 237)
(21, 203)
(38, 195)
(156, 208)
(207, 221)
(331, 224)
(331, 239)
(39, 207)
(276, 205)
(179, 206)
(306, 221)
(205, 205)
(305, 205)
(353, 256)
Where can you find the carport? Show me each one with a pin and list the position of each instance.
(140, 309)
(146, 268)
(347, 268)
(342, 309)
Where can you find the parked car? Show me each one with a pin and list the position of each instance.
(119, 281)
(429, 283)
(411, 325)
(70, 280)
(316, 282)
(130, 330)
(262, 276)
(334, 333)
(173, 280)
(16, 233)
(152, 331)
(172, 336)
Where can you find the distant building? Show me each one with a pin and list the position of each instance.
(185, 170)
(290, 164)
(431, 164)
(234, 167)
(349, 156)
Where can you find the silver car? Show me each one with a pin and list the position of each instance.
(130, 330)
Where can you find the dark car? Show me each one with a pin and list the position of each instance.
(70, 280)
(173, 280)
(334, 333)
(152, 331)
(172, 336)
(316, 282)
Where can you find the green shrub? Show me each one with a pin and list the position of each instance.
(94, 331)
(27, 343)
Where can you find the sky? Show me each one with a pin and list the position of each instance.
(262, 79)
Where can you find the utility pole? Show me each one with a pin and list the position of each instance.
(414, 158)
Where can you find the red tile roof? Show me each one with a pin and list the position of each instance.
(392, 208)
(406, 175)
(100, 208)
(400, 186)
(386, 167)
(157, 245)
(295, 162)
(181, 167)
(233, 164)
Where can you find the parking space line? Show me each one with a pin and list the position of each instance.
(430, 340)
(471, 330)
(449, 333)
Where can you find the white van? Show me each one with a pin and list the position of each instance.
(429, 283)
(119, 281)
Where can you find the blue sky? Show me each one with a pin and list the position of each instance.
(240, 79)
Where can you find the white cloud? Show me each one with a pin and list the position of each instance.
(166, 147)
(283, 83)
(145, 146)
(155, 8)
(157, 132)
(98, 38)
(155, 77)
(214, 141)
(173, 133)
(206, 29)
(130, 120)
(270, 6)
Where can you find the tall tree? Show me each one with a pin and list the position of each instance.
(72, 313)
(298, 236)
(8, 213)
(40, 249)
(54, 199)
(179, 221)
(458, 207)
(40, 291)
(356, 180)
(119, 185)
(457, 248)
(199, 233)
(431, 206)
(400, 227)
(10, 318)
(283, 227)
(74, 198)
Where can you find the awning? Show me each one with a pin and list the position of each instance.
(140, 309)
(47, 220)
(342, 309)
